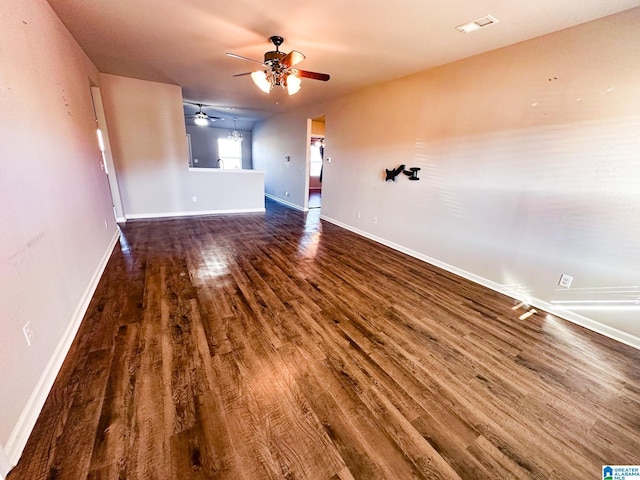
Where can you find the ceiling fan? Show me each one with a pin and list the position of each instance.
(201, 118)
(279, 69)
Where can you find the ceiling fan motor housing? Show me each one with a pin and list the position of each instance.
(271, 58)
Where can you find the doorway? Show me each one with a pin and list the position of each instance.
(316, 160)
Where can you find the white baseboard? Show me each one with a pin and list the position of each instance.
(20, 433)
(284, 202)
(5, 466)
(133, 216)
(607, 331)
(121, 220)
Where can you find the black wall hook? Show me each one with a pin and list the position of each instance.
(392, 174)
(412, 173)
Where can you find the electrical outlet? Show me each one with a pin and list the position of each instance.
(375, 220)
(106, 224)
(28, 333)
(195, 160)
(565, 280)
(358, 215)
(195, 199)
(286, 194)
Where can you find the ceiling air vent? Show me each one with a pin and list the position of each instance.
(478, 23)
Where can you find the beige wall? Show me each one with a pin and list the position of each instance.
(314, 183)
(151, 156)
(317, 126)
(530, 167)
(55, 202)
(148, 142)
(273, 141)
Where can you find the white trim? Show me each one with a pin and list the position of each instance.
(601, 328)
(223, 170)
(190, 151)
(194, 213)
(284, 202)
(20, 433)
(606, 330)
(5, 466)
(121, 220)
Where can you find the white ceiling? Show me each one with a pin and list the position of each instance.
(358, 42)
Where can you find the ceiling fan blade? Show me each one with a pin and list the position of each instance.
(313, 75)
(242, 74)
(292, 58)
(240, 57)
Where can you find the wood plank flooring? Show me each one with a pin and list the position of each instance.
(278, 346)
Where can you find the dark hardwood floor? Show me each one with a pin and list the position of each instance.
(315, 198)
(277, 346)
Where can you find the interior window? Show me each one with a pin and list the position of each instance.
(230, 154)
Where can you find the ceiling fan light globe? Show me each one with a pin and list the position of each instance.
(293, 84)
(260, 79)
(201, 122)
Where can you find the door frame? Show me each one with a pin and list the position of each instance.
(309, 136)
(112, 176)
